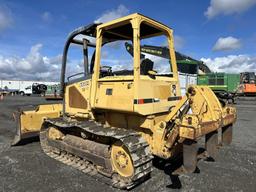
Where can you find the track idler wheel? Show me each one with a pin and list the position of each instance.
(226, 135)
(211, 143)
(189, 156)
(121, 160)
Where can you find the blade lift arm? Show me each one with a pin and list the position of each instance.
(198, 113)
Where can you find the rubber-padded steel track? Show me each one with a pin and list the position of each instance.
(137, 146)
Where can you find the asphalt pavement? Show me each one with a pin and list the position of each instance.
(27, 168)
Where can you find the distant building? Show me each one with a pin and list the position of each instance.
(18, 86)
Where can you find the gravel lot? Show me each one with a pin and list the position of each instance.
(27, 168)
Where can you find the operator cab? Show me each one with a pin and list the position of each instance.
(115, 60)
(110, 78)
(136, 83)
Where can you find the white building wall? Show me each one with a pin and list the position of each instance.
(186, 80)
(10, 84)
(21, 85)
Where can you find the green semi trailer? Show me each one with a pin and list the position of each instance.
(224, 85)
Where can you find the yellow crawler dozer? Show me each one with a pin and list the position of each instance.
(113, 122)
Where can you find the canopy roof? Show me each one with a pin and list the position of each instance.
(122, 29)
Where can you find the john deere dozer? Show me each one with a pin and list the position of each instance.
(112, 123)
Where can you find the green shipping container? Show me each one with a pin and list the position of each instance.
(220, 81)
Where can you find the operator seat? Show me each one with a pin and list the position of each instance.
(145, 66)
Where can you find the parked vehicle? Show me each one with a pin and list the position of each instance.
(247, 84)
(26, 91)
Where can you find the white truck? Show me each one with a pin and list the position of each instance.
(26, 91)
(20, 87)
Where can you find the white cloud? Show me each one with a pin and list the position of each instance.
(227, 7)
(112, 14)
(46, 16)
(231, 63)
(5, 18)
(178, 42)
(227, 43)
(34, 66)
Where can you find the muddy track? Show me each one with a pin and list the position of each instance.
(136, 145)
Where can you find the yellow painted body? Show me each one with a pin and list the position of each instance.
(207, 114)
(30, 121)
(115, 100)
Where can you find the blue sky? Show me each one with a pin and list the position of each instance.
(220, 32)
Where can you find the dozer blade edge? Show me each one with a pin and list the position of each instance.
(29, 122)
